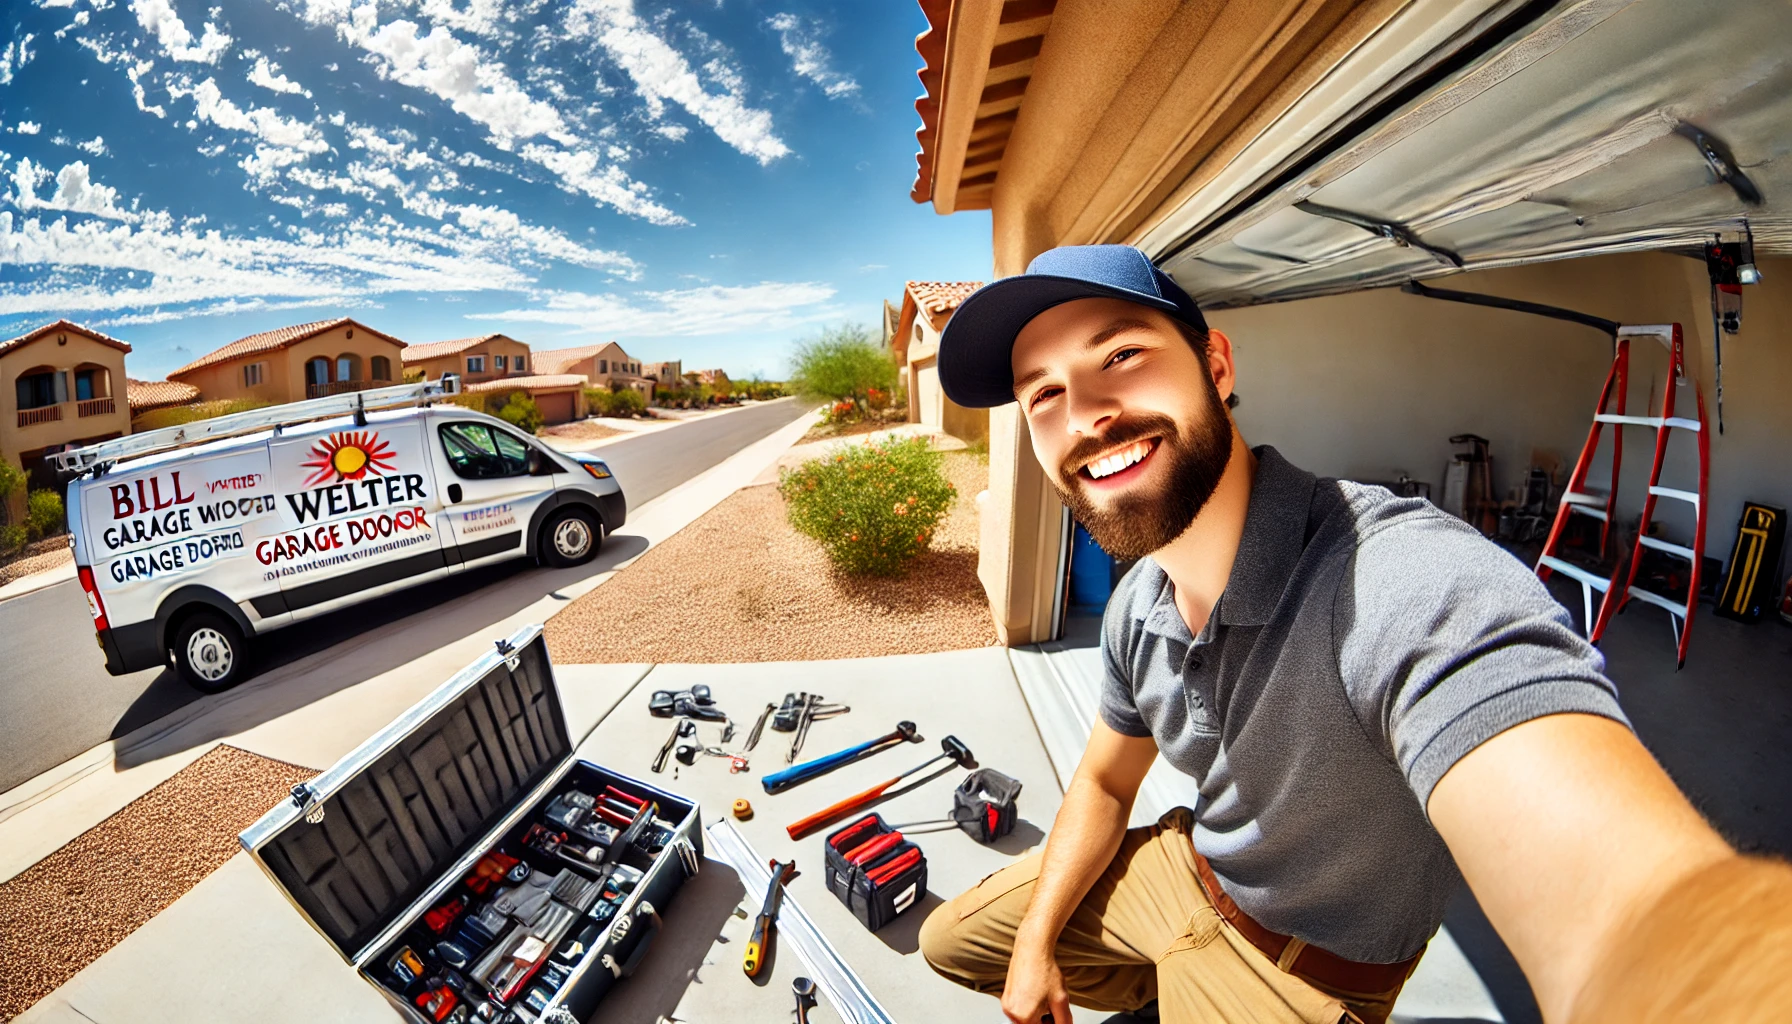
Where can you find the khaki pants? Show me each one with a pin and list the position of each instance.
(1145, 931)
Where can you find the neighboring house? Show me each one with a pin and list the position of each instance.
(668, 373)
(714, 378)
(329, 357)
(488, 357)
(892, 316)
(57, 388)
(150, 395)
(560, 396)
(604, 366)
(915, 342)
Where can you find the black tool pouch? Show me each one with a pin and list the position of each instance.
(874, 903)
(984, 804)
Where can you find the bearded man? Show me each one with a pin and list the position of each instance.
(1374, 701)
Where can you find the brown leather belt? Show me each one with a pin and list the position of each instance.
(1309, 962)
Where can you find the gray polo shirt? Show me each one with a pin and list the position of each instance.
(1363, 644)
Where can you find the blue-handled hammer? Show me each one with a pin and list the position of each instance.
(778, 782)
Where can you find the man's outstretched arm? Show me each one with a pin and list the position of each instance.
(1084, 838)
(1618, 900)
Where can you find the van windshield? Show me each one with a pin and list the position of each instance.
(477, 452)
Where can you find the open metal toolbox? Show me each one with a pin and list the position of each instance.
(413, 841)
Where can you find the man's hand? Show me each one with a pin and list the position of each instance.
(1577, 844)
(1035, 988)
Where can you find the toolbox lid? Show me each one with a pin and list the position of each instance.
(356, 846)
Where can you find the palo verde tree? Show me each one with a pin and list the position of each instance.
(842, 364)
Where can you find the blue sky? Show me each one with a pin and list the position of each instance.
(703, 180)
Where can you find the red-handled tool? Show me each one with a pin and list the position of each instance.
(884, 872)
(865, 851)
(954, 749)
(851, 831)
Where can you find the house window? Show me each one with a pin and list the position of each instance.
(254, 374)
(603, 366)
(475, 364)
(499, 361)
(38, 389)
(348, 367)
(317, 371)
(381, 368)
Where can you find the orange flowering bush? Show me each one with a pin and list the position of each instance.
(873, 507)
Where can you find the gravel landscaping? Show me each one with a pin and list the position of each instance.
(740, 585)
(838, 431)
(582, 430)
(60, 914)
(37, 557)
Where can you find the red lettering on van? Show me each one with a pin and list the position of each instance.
(122, 505)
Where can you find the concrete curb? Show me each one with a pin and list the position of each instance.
(38, 581)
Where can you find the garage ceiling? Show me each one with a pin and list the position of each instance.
(1578, 128)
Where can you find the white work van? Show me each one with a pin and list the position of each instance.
(190, 541)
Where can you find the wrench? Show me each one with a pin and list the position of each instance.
(683, 727)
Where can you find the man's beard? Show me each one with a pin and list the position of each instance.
(1135, 524)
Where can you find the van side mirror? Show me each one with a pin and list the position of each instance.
(537, 463)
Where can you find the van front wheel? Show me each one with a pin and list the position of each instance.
(569, 537)
(209, 652)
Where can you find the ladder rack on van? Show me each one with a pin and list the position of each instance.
(150, 442)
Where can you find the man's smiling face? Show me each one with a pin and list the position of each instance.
(1127, 418)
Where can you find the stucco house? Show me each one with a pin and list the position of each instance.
(328, 357)
(915, 343)
(487, 357)
(604, 366)
(58, 387)
(559, 396)
(147, 396)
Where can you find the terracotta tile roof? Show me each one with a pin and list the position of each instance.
(438, 349)
(537, 382)
(269, 341)
(143, 395)
(62, 325)
(556, 360)
(938, 297)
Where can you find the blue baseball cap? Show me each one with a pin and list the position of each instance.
(975, 364)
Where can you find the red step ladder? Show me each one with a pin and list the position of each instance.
(1621, 588)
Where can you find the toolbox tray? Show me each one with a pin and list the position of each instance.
(364, 850)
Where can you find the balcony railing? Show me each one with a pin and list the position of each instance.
(41, 414)
(96, 407)
(336, 387)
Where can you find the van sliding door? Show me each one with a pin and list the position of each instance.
(490, 495)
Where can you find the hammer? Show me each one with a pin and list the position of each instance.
(778, 782)
(954, 750)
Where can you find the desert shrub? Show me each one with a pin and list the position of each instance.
(873, 507)
(842, 363)
(597, 400)
(521, 412)
(155, 419)
(11, 479)
(12, 537)
(626, 402)
(43, 514)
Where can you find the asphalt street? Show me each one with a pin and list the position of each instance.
(56, 699)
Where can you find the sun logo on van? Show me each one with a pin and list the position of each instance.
(348, 456)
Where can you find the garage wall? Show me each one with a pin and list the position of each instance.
(1369, 385)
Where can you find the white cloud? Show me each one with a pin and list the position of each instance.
(480, 17)
(96, 145)
(484, 92)
(502, 225)
(714, 309)
(16, 55)
(809, 58)
(135, 73)
(28, 128)
(661, 74)
(268, 76)
(75, 192)
(158, 17)
(282, 143)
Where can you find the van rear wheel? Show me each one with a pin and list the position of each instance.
(570, 537)
(209, 653)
